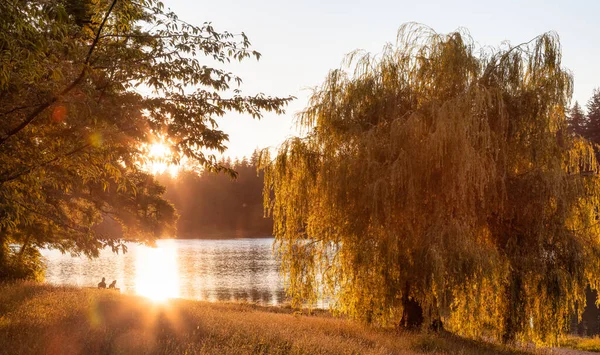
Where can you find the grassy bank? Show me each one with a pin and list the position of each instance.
(584, 344)
(40, 319)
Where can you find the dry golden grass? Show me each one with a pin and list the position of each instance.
(41, 319)
(585, 344)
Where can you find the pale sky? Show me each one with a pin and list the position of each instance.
(301, 41)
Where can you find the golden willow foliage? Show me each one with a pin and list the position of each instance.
(441, 173)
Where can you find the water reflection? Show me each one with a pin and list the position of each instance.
(156, 275)
(213, 270)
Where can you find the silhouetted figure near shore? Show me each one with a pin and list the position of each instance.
(102, 284)
(113, 284)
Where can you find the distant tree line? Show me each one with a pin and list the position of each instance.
(218, 206)
(587, 124)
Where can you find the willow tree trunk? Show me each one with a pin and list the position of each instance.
(513, 321)
(413, 315)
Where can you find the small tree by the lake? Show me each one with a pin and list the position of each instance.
(438, 185)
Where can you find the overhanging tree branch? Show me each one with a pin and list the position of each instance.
(76, 82)
(30, 169)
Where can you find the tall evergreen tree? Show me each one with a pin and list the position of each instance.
(593, 117)
(577, 120)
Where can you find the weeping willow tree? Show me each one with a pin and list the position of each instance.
(437, 184)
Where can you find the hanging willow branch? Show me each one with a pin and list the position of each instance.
(436, 174)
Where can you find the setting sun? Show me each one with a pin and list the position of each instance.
(158, 159)
(159, 150)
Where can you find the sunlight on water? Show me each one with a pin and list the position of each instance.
(210, 270)
(157, 275)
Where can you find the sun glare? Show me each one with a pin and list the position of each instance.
(158, 159)
(159, 150)
(156, 276)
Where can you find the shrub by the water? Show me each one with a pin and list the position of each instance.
(20, 265)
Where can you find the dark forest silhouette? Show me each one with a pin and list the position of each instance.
(217, 206)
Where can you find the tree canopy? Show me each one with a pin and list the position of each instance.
(436, 183)
(86, 87)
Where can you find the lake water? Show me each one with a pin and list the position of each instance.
(223, 270)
